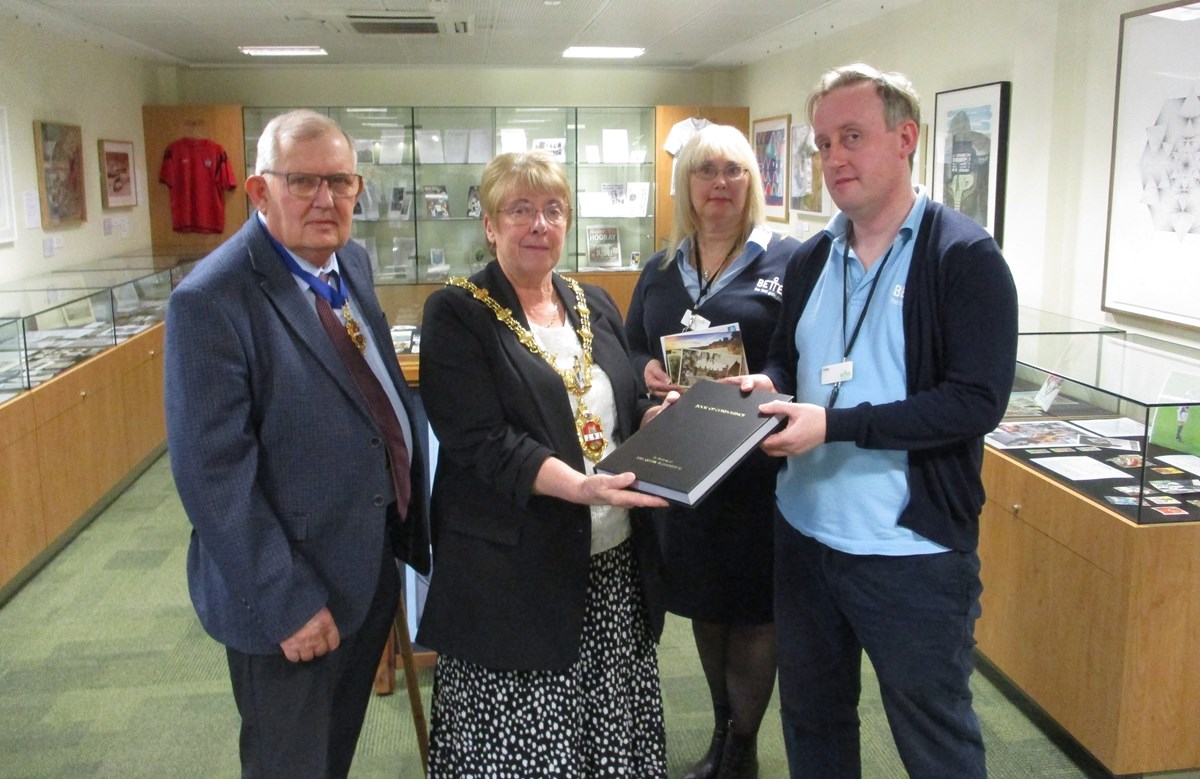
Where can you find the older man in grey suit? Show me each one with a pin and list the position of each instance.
(295, 444)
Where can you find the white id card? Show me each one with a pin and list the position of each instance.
(838, 372)
(693, 321)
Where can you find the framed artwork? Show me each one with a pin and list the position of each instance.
(807, 186)
(770, 138)
(8, 218)
(970, 152)
(59, 151)
(118, 187)
(1153, 239)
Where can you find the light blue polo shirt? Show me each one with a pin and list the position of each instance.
(846, 497)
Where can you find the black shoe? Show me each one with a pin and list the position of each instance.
(708, 765)
(740, 758)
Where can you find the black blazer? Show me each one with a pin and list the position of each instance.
(511, 568)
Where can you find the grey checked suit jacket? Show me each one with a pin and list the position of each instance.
(279, 465)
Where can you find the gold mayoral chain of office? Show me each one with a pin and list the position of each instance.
(578, 379)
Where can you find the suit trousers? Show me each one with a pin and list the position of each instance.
(914, 616)
(303, 719)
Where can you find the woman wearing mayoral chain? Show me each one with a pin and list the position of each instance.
(543, 605)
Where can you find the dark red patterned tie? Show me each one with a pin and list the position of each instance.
(372, 392)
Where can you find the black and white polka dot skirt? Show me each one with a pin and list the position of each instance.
(600, 717)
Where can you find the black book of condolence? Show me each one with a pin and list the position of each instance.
(684, 452)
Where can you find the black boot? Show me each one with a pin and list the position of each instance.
(740, 759)
(708, 765)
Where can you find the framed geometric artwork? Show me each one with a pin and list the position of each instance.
(1152, 249)
(59, 151)
(970, 152)
(770, 140)
(118, 188)
(807, 186)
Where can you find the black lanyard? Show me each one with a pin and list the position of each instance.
(861, 314)
(706, 284)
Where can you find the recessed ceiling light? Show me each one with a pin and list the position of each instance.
(283, 51)
(603, 52)
(551, 2)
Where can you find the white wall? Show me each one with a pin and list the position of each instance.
(46, 77)
(1061, 57)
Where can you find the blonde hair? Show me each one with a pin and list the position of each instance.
(535, 171)
(901, 102)
(715, 140)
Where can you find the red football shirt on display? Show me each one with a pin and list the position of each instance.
(198, 173)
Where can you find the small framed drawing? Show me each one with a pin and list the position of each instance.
(59, 151)
(807, 186)
(970, 152)
(1153, 240)
(118, 184)
(770, 137)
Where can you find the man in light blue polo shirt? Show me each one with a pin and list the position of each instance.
(898, 340)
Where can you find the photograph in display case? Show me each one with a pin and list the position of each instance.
(603, 246)
(437, 202)
(970, 153)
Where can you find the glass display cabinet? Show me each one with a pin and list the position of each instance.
(56, 329)
(1108, 414)
(418, 216)
(12, 348)
(1034, 321)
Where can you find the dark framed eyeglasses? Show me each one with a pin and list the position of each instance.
(523, 214)
(708, 171)
(306, 185)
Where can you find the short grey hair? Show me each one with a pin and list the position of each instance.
(303, 124)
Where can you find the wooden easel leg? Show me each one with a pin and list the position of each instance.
(400, 630)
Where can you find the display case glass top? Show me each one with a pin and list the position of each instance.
(1034, 321)
(57, 328)
(1109, 414)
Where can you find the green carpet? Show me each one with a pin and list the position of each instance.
(105, 672)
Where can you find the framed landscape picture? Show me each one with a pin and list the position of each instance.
(770, 141)
(118, 184)
(1151, 266)
(59, 152)
(970, 153)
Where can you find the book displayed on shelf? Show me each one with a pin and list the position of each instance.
(479, 149)
(637, 198)
(391, 148)
(437, 202)
(689, 448)
(474, 205)
(455, 144)
(711, 353)
(400, 204)
(603, 246)
(555, 147)
(429, 147)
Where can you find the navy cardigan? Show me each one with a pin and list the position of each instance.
(960, 343)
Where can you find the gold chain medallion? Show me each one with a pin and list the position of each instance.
(578, 379)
